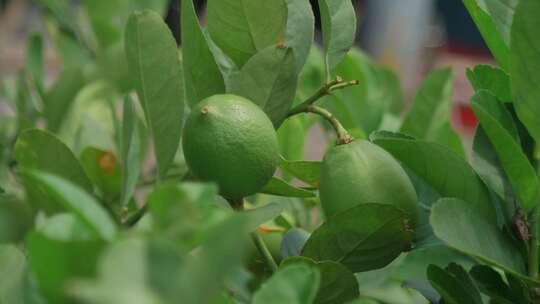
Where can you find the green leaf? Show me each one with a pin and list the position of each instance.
(242, 28)
(338, 22)
(56, 262)
(427, 196)
(201, 74)
(493, 79)
(104, 170)
(76, 200)
(63, 227)
(221, 255)
(447, 136)
(39, 150)
(34, 59)
(338, 284)
(293, 242)
(306, 171)
(24, 103)
(185, 213)
(429, 116)
(131, 151)
(279, 187)
(291, 138)
(455, 287)
(490, 30)
(497, 122)
(155, 65)
(525, 65)
(492, 284)
(108, 18)
(261, 215)
(391, 85)
(294, 284)
(300, 29)
(269, 80)
(465, 227)
(121, 276)
(444, 170)
(488, 166)
(16, 218)
(59, 98)
(72, 52)
(12, 268)
(363, 106)
(502, 13)
(412, 267)
(362, 238)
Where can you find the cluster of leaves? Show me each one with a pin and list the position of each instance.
(83, 219)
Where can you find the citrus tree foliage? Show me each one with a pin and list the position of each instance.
(147, 172)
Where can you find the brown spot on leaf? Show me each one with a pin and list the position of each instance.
(107, 162)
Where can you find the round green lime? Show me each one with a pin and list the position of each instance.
(230, 141)
(361, 172)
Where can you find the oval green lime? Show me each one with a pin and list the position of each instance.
(361, 172)
(230, 141)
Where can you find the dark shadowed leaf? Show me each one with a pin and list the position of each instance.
(157, 72)
(492, 284)
(487, 165)
(454, 284)
(497, 123)
(365, 237)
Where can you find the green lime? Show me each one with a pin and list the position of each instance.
(230, 141)
(361, 172)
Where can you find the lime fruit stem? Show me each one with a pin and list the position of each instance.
(343, 136)
(238, 205)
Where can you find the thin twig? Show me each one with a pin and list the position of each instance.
(327, 89)
(238, 205)
(263, 250)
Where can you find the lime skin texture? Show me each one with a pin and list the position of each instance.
(230, 141)
(361, 172)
